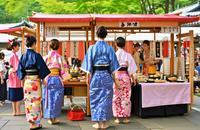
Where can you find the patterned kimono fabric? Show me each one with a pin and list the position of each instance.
(121, 98)
(32, 70)
(122, 93)
(101, 90)
(32, 98)
(53, 93)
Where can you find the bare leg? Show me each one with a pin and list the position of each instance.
(18, 111)
(14, 108)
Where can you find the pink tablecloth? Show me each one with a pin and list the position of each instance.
(160, 94)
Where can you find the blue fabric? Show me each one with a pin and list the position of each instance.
(55, 97)
(32, 60)
(101, 85)
(15, 94)
(100, 53)
(101, 94)
(198, 69)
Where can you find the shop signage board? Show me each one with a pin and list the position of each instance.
(128, 24)
(52, 31)
(170, 30)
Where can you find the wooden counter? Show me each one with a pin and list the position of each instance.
(80, 89)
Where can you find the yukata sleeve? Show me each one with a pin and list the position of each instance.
(64, 71)
(42, 67)
(132, 67)
(21, 70)
(114, 64)
(87, 62)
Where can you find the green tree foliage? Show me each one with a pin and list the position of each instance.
(16, 10)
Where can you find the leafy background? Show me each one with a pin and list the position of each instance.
(16, 10)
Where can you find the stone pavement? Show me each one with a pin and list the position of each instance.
(189, 121)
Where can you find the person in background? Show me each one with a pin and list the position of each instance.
(100, 64)
(197, 68)
(149, 61)
(122, 93)
(15, 88)
(31, 70)
(3, 86)
(136, 55)
(53, 93)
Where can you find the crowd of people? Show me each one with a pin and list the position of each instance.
(38, 81)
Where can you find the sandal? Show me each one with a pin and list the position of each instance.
(96, 126)
(19, 114)
(117, 121)
(50, 122)
(105, 127)
(14, 114)
(56, 121)
(126, 121)
(36, 128)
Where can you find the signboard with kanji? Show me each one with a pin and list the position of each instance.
(128, 24)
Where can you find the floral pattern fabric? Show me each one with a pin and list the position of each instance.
(121, 98)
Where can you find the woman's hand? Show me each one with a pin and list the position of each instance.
(117, 83)
(44, 83)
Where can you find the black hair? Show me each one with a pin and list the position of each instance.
(120, 42)
(54, 44)
(30, 41)
(147, 42)
(136, 45)
(2, 55)
(102, 32)
(12, 44)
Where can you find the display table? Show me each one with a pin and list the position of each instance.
(160, 99)
(80, 89)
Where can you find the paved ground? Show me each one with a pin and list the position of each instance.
(189, 121)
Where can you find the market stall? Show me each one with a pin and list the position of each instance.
(63, 26)
(124, 24)
(20, 30)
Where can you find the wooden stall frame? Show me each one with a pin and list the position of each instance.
(20, 32)
(153, 23)
(191, 62)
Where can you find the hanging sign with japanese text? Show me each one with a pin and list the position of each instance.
(128, 24)
(170, 30)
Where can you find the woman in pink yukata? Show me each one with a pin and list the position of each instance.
(124, 76)
(15, 87)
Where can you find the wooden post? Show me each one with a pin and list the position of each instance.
(154, 36)
(38, 38)
(191, 62)
(179, 44)
(23, 42)
(44, 37)
(87, 43)
(172, 54)
(88, 86)
(92, 33)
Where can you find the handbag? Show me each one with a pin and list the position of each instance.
(76, 113)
